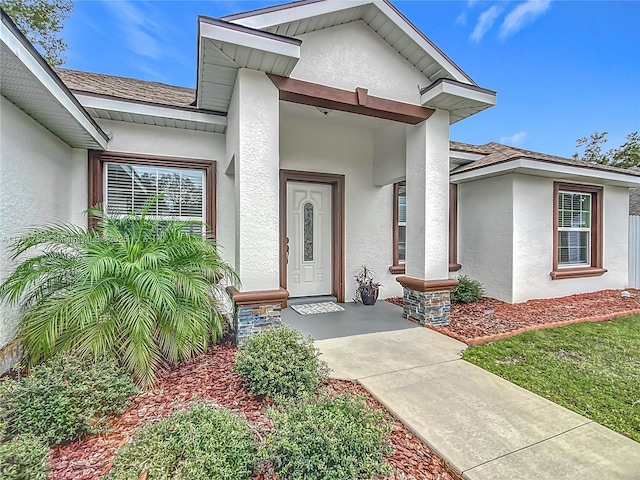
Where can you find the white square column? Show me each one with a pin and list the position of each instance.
(427, 255)
(257, 186)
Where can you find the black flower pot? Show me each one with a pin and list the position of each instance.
(369, 299)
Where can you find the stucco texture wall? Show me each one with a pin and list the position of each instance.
(353, 55)
(533, 242)
(485, 234)
(42, 180)
(506, 235)
(327, 147)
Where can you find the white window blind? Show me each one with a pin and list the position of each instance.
(128, 188)
(574, 228)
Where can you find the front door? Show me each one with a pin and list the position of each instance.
(309, 239)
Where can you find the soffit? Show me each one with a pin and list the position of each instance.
(224, 48)
(30, 84)
(295, 19)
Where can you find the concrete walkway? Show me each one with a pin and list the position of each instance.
(482, 425)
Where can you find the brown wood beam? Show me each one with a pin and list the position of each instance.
(358, 102)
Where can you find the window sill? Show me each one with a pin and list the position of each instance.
(577, 272)
(400, 269)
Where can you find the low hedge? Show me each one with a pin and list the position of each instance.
(63, 399)
(200, 443)
(281, 363)
(23, 458)
(329, 439)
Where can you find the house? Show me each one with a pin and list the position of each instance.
(316, 140)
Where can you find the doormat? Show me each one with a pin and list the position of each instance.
(313, 308)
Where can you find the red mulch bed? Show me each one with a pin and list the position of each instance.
(210, 377)
(490, 316)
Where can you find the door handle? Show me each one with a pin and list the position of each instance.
(287, 250)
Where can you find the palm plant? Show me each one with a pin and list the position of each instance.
(148, 296)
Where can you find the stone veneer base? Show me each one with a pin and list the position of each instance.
(251, 319)
(427, 308)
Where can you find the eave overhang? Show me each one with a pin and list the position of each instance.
(539, 168)
(460, 99)
(225, 47)
(145, 113)
(28, 82)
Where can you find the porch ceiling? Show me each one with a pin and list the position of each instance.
(297, 18)
(225, 47)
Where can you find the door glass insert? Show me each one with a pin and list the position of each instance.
(308, 232)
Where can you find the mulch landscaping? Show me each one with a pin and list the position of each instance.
(488, 318)
(210, 378)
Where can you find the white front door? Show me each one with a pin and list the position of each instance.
(309, 239)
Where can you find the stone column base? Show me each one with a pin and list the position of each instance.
(427, 302)
(255, 311)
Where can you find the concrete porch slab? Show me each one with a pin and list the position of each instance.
(363, 356)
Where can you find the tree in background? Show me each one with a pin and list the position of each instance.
(625, 156)
(41, 21)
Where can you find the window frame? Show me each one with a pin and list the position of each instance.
(594, 267)
(97, 172)
(399, 268)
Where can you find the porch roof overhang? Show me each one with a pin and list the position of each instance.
(527, 166)
(145, 113)
(296, 18)
(28, 82)
(461, 100)
(358, 102)
(225, 47)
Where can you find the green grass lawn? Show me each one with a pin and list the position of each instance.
(590, 368)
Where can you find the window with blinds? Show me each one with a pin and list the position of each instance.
(128, 188)
(574, 228)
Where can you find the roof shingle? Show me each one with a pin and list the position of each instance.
(127, 88)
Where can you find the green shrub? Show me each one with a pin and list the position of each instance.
(64, 398)
(467, 290)
(201, 443)
(129, 289)
(280, 363)
(329, 439)
(23, 458)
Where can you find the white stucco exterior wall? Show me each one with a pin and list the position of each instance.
(257, 182)
(485, 234)
(533, 242)
(42, 180)
(353, 55)
(428, 198)
(163, 141)
(326, 147)
(390, 151)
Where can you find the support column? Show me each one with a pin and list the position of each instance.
(254, 126)
(427, 285)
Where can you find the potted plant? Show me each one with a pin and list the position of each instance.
(367, 289)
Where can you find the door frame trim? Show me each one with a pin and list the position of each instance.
(337, 224)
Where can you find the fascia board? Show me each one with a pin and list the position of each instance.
(50, 85)
(249, 40)
(462, 91)
(466, 156)
(90, 101)
(298, 12)
(547, 169)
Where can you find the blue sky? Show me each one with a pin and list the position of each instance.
(562, 69)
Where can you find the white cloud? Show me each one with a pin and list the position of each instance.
(515, 139)
(523, 14)
(485, 22)
(461, 19)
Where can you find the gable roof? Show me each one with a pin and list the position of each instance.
(28, 82)
(127, 88)
(296, 18)
(496, 153)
